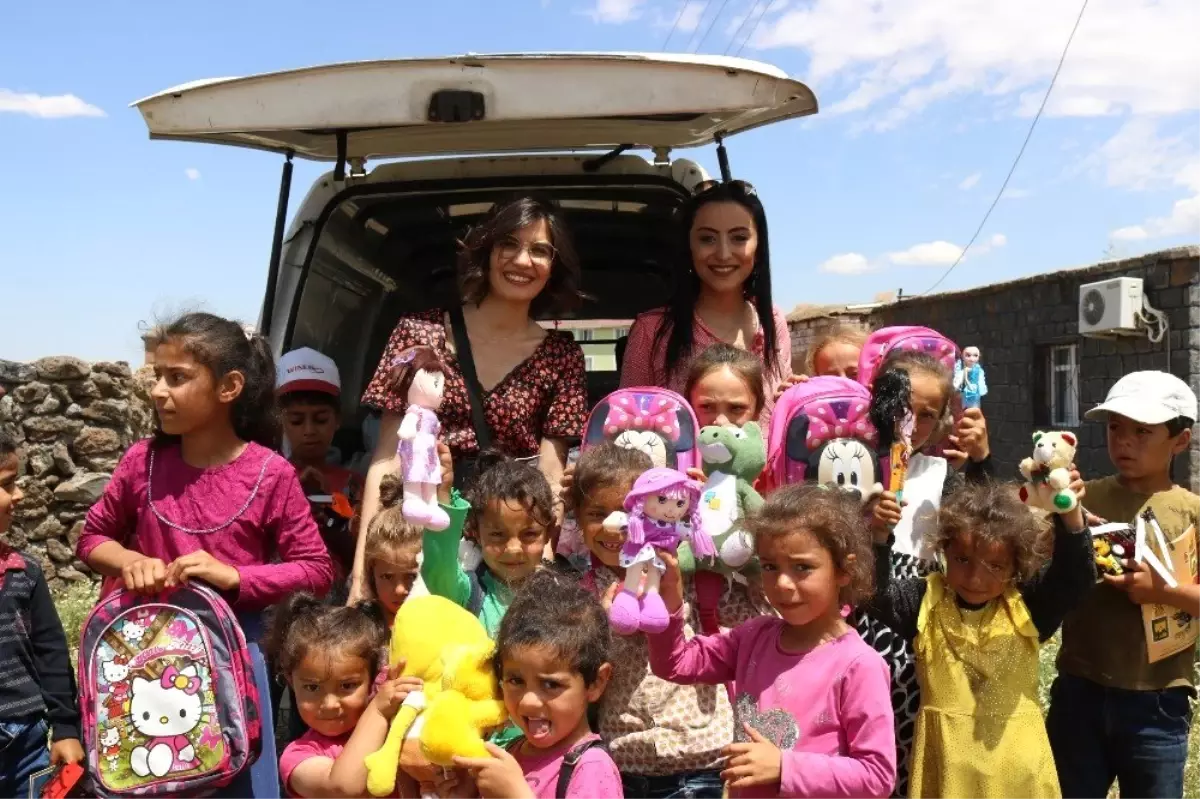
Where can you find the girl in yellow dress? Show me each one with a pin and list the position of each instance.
(976, 628)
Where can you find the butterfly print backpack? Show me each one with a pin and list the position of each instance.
(167, 694)
(821, 433)
(656, 421)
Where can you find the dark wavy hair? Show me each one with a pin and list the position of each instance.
(834, 518)
(222, 346)
(304, 624)
(604, 466)
(676, 329)
(562, 292)
(992, 511)
(553, 610)
(504, 479)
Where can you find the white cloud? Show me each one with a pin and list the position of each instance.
(192, 173)
(615, 12)
(850, 263)
(895, 58)
(1184, 219)
(1138, 157)
(56, 106)
(935, 253)
(689, 18)
(970, 180)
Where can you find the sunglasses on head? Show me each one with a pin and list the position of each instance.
(711, 185)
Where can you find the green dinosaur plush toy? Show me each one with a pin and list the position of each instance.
(732, 459)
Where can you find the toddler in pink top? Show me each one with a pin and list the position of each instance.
(813, 705)
(553, 658)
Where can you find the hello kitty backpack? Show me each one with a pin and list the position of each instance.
(656, 421)
(911, 337)
(166, 694)
(821, 433)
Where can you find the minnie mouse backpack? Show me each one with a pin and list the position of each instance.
(656, 421)
(923, 339)
(821, 433)
(167, 694)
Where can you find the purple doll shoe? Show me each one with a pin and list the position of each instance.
(625, 614)
(654, 613)
(438, 519)
(419, 513)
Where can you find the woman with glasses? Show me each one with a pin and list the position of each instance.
(515, 267)
(725, 296)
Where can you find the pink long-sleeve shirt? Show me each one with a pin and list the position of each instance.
(276, 522)
(829, 709)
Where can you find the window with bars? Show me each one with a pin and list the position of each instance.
(1062, 385)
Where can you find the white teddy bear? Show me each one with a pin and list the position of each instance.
(1046, 474)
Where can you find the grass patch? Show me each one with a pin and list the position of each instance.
(74, 604)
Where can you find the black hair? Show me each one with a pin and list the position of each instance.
(1178, 425)
(606, 465)
(499, 477)
(8, 445)
(891, 393)
(562, 292)
(223, 346)
(992, 511)
(553, 610)
(290, 398)
(677, 325)
(305, 623)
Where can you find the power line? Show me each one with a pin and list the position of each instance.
(1021, 152)
(713, 24)
(741, 25)
(699, 19)
(754, 29)
(682, 8)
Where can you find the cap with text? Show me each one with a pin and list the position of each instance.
(1148, 398)
(306, 369)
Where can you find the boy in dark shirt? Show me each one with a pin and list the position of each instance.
(37, 684)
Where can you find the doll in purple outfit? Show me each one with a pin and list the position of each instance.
(420, 377)
(661, 509)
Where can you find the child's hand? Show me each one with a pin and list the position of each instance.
(391, 694)
(969, 439)
(312, 481)
(886, 513)
(698, 475)
(145, 576)
(788, 383)
(498, 776)
(1140, 583)
(565, 484)
(447, 462)
(200, 565)
(65, 751)
(455, 784)
(670, 587)
(758, 762)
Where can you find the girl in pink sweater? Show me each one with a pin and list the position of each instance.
(813, 708)
(207, 499)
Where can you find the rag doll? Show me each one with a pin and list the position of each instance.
(420, 378)
(662, 509)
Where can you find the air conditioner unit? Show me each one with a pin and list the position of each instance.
(1111, 308)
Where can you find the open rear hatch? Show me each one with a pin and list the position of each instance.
(481, 104)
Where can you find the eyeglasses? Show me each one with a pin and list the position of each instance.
(706, 186)
(541, 253)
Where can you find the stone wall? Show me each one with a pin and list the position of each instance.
(74, 421)
(1013, 322)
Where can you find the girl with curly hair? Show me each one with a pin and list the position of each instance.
(976, 627)
(812, 706)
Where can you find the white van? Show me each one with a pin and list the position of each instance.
(371, 241)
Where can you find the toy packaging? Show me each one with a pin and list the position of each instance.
(821, 432)
(654, 420)
(1112, 544)
(166, 694)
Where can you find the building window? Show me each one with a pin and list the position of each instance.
(588, 362)
(620, 332)
(583, 335)
(1062, 382)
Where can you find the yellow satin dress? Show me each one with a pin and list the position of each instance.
(980, 730)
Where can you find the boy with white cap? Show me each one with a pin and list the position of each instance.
(1113, 713)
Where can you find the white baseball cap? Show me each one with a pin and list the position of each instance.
(306, 369)
(1149, 398)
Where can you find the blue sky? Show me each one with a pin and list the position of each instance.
(924, 104)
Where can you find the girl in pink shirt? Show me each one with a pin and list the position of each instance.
(328, 655)
(813, 706)
(552, 655)
(207, 498)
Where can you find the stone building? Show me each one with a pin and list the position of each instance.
(1041, 373)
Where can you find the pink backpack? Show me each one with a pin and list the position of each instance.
(167, 694)
(911, 337)
(820, 432)
(655, 420)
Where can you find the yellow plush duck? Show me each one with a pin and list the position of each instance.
(447, 648)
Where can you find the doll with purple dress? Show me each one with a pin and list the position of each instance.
(661, 509)
(420, 377)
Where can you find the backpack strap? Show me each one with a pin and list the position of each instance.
(570, 761)
(466, 362)
(475, 600)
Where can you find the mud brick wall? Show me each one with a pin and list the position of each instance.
(73, 420)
